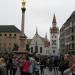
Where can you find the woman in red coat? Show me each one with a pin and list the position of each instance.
(26, 66)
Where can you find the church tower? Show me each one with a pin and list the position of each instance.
(54, 38)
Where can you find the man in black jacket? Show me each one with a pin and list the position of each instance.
(64, 64)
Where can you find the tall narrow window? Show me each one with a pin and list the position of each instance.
(9, 34)
(52, 36)
(40, 49)
(72, 37)
(15, 35)
(36, 49)
(72, 30)
(72, 45)
(53, 51)
(0, 34)
(5, 34)
(31, 49)
(55, 36)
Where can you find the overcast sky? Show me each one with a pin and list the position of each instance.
(38, 13)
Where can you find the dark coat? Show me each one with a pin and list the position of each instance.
(63, 65)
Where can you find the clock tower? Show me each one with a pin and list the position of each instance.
(54, 38)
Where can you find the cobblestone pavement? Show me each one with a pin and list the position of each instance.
(46, 72)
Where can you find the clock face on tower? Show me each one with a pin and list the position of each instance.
(53, 42)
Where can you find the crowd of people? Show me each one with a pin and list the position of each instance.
(27, 64)
(32, 65)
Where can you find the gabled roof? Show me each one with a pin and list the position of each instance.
(8, 28)
(46, 42)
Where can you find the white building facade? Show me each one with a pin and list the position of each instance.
(39, 45)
